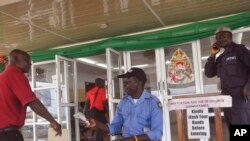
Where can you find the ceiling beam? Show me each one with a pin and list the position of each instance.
(153, 12)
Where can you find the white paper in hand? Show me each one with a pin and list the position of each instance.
(82, 117)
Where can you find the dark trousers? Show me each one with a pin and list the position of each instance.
(13, 135)
(235, 115)
(99, 135)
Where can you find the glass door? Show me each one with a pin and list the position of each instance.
(36, 128)
(149, 61)
(54, 83)
(180, 75)
(171, 71)
(66, 79)
(162, 93)
(115, 87)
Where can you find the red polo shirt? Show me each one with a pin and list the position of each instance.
(100, 98)
(15, 94)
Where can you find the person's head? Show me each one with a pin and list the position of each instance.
(134, 81)
(99, 82)
(20, 59)
(223, 36)
(82, 104)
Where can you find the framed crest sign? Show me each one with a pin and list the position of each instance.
(180, 70)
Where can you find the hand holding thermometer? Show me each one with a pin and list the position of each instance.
(82, 117)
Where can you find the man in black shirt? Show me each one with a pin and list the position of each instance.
(233, 69)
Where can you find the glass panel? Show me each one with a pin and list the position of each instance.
(62, 75)
(180, 76)
(29, 116)
(42, 132)
(146, 61)
(88, 71)
(48, 98)
(246, 38)
(45, 75)
(27, 132)
(115, 71)
(68, 121)
(68, 92)
(71, 82)
(66, 111)
(179, 69)
(210, 84)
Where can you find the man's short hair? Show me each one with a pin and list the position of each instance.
(99, 82)
(14, 53)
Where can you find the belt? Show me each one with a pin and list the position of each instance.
(11, 128)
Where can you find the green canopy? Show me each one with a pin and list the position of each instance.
(150, 40)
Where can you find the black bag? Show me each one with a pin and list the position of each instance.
(93, 113)
(87, 111)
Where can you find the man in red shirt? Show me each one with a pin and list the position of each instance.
(96, 99)
(16, 95)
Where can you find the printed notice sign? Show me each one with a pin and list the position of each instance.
(198, 123)
(200, 102)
